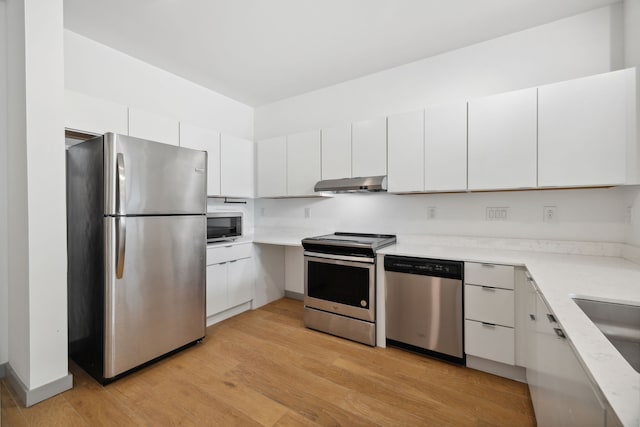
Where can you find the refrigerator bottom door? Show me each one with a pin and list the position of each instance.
(156, 302)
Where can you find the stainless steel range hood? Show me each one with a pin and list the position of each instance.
(352, 185)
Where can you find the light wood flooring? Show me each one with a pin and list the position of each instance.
(264, 368)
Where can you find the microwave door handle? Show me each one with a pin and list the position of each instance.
(121, 240)
(121, 181)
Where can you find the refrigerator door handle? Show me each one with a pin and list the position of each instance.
(120, 200)
(121, 240)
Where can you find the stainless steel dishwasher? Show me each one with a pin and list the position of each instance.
(424, 310)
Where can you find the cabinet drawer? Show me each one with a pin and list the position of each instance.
(496, 276)
(489, 305)
(490, 342)
(219, 254)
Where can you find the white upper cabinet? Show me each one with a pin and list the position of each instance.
(303, 163)
(93, 115)
(272, 167)
(154, 127)
(369, 147)
(336, 152)
(198, 138)
(406, 152)
(585, 127)
(445, 147)
(236, 167)
(502, 141)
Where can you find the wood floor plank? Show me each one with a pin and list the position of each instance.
(265, 368)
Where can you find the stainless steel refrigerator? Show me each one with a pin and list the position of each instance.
(136, 237)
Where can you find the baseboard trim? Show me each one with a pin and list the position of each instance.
(294, 295)
(3, 369)
(28, 397)
(516, 373)
(224, 315)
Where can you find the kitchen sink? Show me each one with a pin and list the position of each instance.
(620, 323)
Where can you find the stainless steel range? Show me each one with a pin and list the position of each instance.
(340, 284)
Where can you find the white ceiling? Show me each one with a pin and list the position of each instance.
(260, 51)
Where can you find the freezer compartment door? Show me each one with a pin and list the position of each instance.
(149, 178)
(155, 288)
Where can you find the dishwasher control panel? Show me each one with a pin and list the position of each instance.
(424, 266)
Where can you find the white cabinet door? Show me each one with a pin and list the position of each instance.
(272, 167)
(93, 115)
(154, 127)
(336, 152)
(199, 138)
(241, 281)
(445, 147)
(406, 152)
(236, 167)
(502, 141)
(303, 163)
(369, 147)
(583, 130)
(217, 298)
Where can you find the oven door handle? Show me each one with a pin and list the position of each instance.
(367, 260)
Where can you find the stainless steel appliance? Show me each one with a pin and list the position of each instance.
(223, 226)
(136, 252)
(340, 284)
(424, 311)
(363, 184)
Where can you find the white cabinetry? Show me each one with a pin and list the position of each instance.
(561, 391)
(585, 127)
(502, 141)
(272, 167)
(489, 312)
(236, 166)
(303, 163)
(154, 127)
(230, 277)
(93, 115)
(336, 152)
(406, 152)
(369, 147)
(198, 138)
(445, 147)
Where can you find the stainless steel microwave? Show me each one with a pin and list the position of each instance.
(223, 226)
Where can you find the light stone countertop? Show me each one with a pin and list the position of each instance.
(560, 277)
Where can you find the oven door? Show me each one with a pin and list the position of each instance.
(340, 284)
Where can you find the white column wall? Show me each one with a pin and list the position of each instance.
(37, 207)
(4, 278)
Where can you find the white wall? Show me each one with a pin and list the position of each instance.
(565, 49)
(632, 59)
(100, 71)
(584, 44)
(583, 215)
(4, 283)
(37, 261)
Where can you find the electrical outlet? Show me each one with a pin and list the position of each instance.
(549, 214)
(431, 212)
(628, 215)
(261, 211)
(307, 212)
(497, 213)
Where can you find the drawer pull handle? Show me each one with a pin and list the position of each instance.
(552, 318)
(488, 288)
(532, 316)
(488, 325)
(488, 265)
(559, 333)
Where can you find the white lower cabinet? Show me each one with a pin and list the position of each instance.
(230, 277)
(489, 311)
(561, 391)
